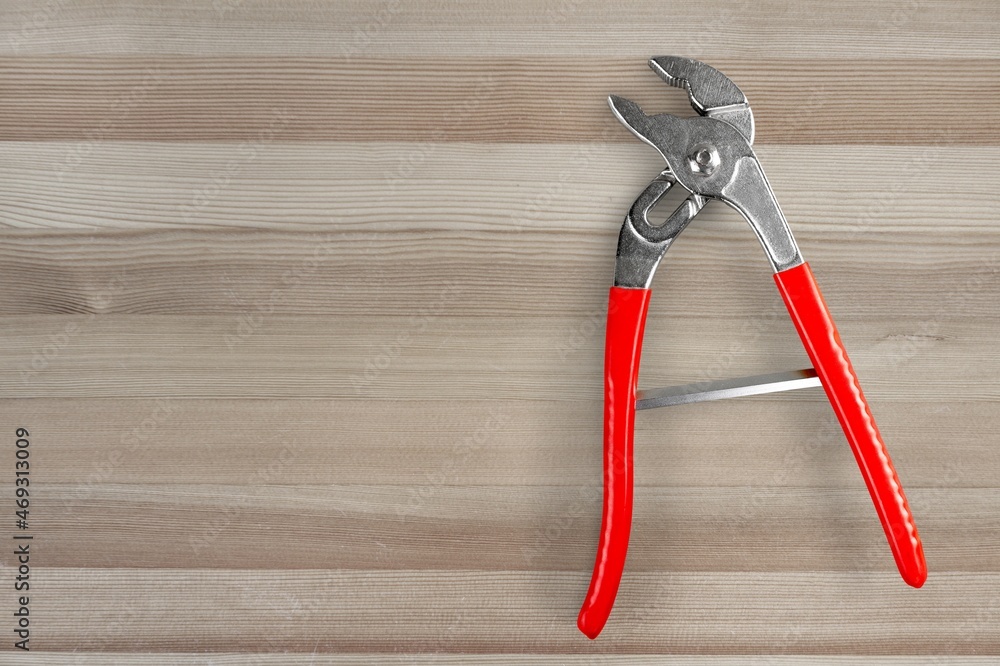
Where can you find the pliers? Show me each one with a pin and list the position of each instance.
(710, 156)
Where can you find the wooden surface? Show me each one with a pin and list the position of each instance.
(303, 307)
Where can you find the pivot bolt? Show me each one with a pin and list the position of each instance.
(704, 159)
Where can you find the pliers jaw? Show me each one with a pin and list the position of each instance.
(711, 157)
(711, 92)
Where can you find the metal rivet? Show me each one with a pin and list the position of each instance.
(704, 159)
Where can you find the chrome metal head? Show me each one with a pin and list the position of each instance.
(711, 156)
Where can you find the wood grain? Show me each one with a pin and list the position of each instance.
(496, 100)
(679, 613)
(303, 306)
(315, 659)
(710, 29)
(497, 528)
(145, 440)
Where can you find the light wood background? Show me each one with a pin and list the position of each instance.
(302, 304)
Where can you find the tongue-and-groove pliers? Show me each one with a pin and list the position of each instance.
(710, 156)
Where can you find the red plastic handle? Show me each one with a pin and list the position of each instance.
(622, 347)
(819, 335)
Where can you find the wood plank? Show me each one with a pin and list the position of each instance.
(167, 610)
(170, 98)
(710, 30)
(445, 527)
(382, 357)
(717, 270)
(833, 195)
(314, 659)
(790, 441)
